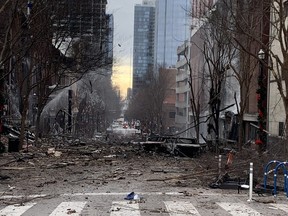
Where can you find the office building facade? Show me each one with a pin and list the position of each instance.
(172, 29)
(143, 44)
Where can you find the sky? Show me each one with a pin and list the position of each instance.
(123, 13)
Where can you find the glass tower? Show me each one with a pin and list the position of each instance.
(143, 44)
(172, 29)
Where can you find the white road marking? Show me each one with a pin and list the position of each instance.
(180, 208)
(113, 194)
(21, 196)
(238, 209)
(13, 210)
(68, 208)
(283, 207)
(125, 208)
(121, 193)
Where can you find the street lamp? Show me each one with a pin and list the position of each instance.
(261, 54)
(261, 103)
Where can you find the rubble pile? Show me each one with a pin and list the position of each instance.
(62, 162)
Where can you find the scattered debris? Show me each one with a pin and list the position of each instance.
(265, 200)
(110, 156)
(10, 187)
(71, 211)
(4, 177)
(132, 196)
(91, 162)
(178, 146)
(51, 151)
(57, 153)
(46, 183)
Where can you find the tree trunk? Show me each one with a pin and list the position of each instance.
(197, 130)
(285, 147)
(240, 132)
(37, 127)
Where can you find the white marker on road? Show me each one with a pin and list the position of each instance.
(68, 208)
(124, 208)
(180, 208)
(13, 210)
(238, 209)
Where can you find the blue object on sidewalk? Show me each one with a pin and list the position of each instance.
(130, 196)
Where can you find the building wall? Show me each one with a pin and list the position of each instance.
(276, 110)
(182, 88)
(200, 7)
(191, 49)
(200, 81)
(168, 107)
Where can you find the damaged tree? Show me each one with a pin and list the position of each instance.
(215, 54)
(147, 105)
(216, 51)
(226, 26)
(42, 55)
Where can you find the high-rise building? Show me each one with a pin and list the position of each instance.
(86, 21)
(109, 35)
(82, 19)
(172, 29)
(143, 45)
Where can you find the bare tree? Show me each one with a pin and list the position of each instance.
(50, 56)
(231, 51)
(99, 104)
(147, 105)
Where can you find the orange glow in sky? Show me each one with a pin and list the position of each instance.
(123, 14)
(122, 78)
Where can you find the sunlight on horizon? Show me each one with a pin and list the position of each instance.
(122, 78)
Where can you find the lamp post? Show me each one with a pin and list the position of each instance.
(70, 92)
(261, 104)
(34, 108)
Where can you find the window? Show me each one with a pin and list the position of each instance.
(172, 114)
(281, 129)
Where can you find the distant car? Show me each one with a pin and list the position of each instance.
(125, 125)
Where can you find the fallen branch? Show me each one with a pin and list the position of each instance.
(192, 175)
(4, 164)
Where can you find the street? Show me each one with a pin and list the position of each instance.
(199, 202)
(93, 178)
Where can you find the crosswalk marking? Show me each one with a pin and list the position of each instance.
(68, 208)
(180, 208)
(131, 208)
(283, 207)
(238, 209)
(13, 210)
(125, 208)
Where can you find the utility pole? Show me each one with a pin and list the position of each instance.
(69, 110)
